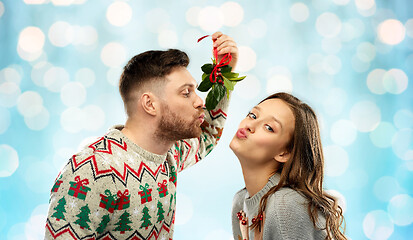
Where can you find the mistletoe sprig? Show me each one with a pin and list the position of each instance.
(219, 78)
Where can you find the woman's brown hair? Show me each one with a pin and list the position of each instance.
(304, 171)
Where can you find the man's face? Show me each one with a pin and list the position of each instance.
(181, 108)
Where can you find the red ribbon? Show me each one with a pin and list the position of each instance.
(124, 194)
(163, 184)
(224, 61)
(79, 183)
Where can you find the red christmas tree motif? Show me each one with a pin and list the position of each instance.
(145, 193)
(123, 223)
(162, 189)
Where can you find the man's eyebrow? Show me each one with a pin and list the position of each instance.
(275, 119)
(189, 85)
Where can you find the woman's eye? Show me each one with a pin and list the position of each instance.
(252, 115)
(269, 128)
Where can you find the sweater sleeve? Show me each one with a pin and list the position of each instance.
(190, 151)
(287, 218)
(77, 204)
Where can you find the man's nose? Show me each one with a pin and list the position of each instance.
(199, 103)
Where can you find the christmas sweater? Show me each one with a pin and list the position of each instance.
(114, 189)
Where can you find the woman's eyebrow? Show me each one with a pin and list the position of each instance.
(275, 119)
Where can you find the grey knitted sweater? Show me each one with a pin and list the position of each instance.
(286, 214)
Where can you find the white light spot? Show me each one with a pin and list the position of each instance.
(211, 19)
(38, 121)
(113, 75)
(366, 51)
(119, 14)
(377, 225)
(62, 156)
(331, 45)
(332, 64)
(279, 83)
(336, 161)
(1, 9)
(31, 40)
(343, 132)
(249, 88)
(391, 31)
(257, 28)
(85, 76)
(9, 93)
(341, 2)
(192, 16)
(365, 115)
(113, 54)
(383, 134)
(86, 35)
(365, 4)
(184, 209)
(233, 13)
(9, 160)
(335, 101)
(386, 187)
(167, 38)
(38, 72)
(359, 65)
(4, 120)
(403, 119)
(409, 27)
(328, 24)
(10, 74)
(157, 19)
(94, 118)
(315, 62)
(400, 209)
(352, 29)
(34, 228)
(395, 81)
(403, 144)
(73, 94)
(30, 104)
(341, 200)
(299, 12)
(72, 120)
(55, 78)
(61, 34)
(375, 81)
(247, 59)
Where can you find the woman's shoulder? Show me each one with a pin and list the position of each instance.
(287, 199)
(240, 195)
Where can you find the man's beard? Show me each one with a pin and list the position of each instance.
(173, 128)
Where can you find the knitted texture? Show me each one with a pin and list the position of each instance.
(114, 189)
(286, 214)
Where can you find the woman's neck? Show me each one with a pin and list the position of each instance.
(256, 178)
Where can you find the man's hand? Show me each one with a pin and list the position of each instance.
(224, 45)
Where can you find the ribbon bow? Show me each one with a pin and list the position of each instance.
(79, 183)
(144, 188)
(109, 195)
(163, 184)
(124, 194)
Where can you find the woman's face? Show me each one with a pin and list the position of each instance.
(264, 134)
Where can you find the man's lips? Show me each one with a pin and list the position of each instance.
(241, 133)
(201, 118)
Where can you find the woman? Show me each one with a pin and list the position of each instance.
(278, 145)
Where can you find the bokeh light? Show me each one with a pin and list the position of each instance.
(375, 81)
(299, 12)
(395, 81)
(1, 9)
(343, 132)
(39, 121)
(119, 14)
(55, 78)
(402, 143)
(249, 89)
(400, 209)
(328, 24)
(184, 209)
(211, 19)
(336, 160)
(391, 31)
(113, 54)
(386, 187)
(248, 59)
(382, 135)
(73, 94)
(233, 13)
(257, 28)
(403, 119)
(9, 93)
(61, 34)
(30, 104)
(10, 160)
(378, 225)
(85, 76)
(365, 115)
(4, 119)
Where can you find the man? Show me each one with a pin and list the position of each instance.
(123, 186)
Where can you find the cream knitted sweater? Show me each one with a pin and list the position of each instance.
(114, 189)
(286, 214)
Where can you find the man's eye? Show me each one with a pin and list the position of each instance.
(252, 115)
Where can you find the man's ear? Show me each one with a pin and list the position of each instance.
(283, 157)
(149, 103)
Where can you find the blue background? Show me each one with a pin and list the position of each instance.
(351, 60)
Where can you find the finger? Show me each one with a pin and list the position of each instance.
(216, 35)
(227, 48)
(223, 38)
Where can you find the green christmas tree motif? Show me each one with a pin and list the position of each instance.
(103, 224)
(145, 218)
(160, 212)
(60, 209)
(83, 217)
(123, 223)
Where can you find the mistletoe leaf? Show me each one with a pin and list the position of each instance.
(230, 75)
(228, 84)
(220, 92)
(205, 85)
(238, 79)
(207, 68)
(226, 69)
(215, 96)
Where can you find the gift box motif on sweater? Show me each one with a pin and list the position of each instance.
(57, 184)
(123, 201)
(78, 189)
(145, 193)
(173, 176)
(108, 202)
(162, 189)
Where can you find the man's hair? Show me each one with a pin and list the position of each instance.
(148, 67)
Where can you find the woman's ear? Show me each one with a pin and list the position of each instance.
(283, 157)
(149, 103)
